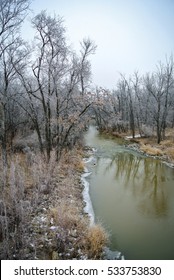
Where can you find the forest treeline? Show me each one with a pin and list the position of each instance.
(45, 88)
(140, 104)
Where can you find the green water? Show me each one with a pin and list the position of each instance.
(133, 197)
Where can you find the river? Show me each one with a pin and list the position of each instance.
(132, 197)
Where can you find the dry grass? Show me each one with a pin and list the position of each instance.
(165, 148)
(167, 143)
(150, 150)
(66, 215)
(37, 196)
(15, 210)
(170, 153)
(147, 141)
(75, 159)
(97, 238)
(80, 166)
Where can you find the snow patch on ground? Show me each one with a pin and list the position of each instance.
(86, 197)
(131, 137)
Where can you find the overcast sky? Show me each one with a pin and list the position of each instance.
(130, 34)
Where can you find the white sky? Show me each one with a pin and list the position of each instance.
(130, 34)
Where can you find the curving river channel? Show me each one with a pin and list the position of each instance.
(133, 197)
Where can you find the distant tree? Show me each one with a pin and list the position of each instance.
(159, 85)
(105, 109)
(129, 98)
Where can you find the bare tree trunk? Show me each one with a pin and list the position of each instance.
(3, 137)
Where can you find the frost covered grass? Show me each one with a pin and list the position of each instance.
(41, 210)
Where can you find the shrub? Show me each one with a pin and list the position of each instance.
(96, 240)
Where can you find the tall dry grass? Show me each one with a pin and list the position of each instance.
(41, 210)
(20, 191)
(150, 150)
(96, 240)
(14, 210)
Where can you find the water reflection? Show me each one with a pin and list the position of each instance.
(145, 180)
(133, 197)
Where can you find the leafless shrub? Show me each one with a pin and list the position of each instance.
(147, 131)
(25, 144)
(43, 172)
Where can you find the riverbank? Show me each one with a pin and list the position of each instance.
(42, 211)
(148, 146)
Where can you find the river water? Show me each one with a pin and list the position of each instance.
(132, 197)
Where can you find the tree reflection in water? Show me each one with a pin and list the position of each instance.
(146, 178)
(132, 196)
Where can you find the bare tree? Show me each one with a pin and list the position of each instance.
(49, 66)
(126, 87)
(88, 47)
(12, 13)
(53, 82)
(159, 86)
